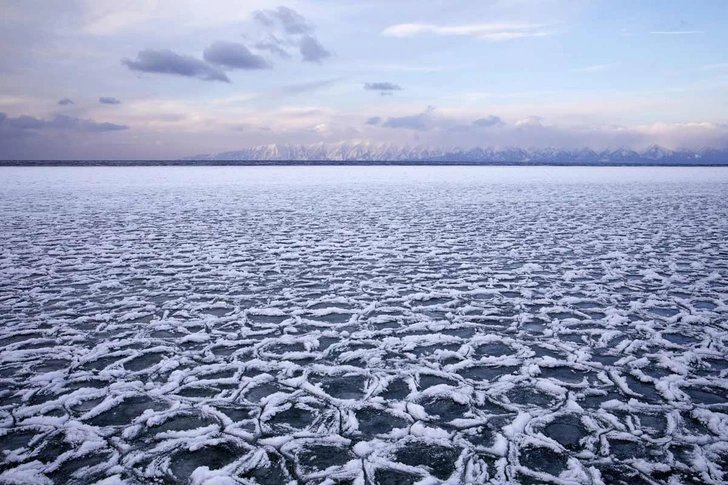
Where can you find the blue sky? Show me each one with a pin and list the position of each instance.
(170, 78)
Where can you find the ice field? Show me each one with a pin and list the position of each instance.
(367, 325)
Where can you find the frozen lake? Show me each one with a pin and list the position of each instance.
(368, 325)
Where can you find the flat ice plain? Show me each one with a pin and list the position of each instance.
(388, 325)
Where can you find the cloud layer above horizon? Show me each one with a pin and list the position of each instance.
(221, 76)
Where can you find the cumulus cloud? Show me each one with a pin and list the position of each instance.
(233, 55)
(292, 22)
(488, 121)
(286, 30)
(312, 50)
(65, 102)
(415, 122)
(58, 122)
(419, 122)
(165, 61)
(108, 100)
(374, 120)
(24, 122)
(273, 46)
(483, 31)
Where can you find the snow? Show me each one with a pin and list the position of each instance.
(368, 152)
(363, 324)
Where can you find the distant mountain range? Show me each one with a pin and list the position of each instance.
(382, 152)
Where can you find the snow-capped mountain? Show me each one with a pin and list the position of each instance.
(384, 152)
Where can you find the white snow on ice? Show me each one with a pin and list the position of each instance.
(363, 325)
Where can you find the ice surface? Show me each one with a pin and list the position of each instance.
(364, 325)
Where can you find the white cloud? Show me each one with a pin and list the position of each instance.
(112, 17)
(483, 31)
(594, 68)
(108, 18)
(677, 32)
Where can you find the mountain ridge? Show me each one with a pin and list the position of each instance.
(385, 152)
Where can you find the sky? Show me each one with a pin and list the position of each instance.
(164, 79)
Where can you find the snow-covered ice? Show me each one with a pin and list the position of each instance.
(364, 325)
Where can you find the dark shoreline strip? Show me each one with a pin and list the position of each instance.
(256, 163)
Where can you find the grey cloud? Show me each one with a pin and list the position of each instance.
(65, 102)
(490, 120)
(274, 48)
(58, 122)
(25, 123)
(165, 61)
(76, 124)
(234, 56)
(414, 122)
(419, 122)
(291, 30)
(108, 100)
(292, 22)
(375, 120)
(312, 50)
(382, 86)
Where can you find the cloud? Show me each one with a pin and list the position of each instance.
(534, 131)
(273, 47)
(439, 125)
(165, 61)
(419, 122)
(58, 122)
(234, 56)
(488, 121)
(65, 102)
(24, 122)
(677, 32)
(450, 129)
(487, 31)
(61, 122)
(384, 88)
(529, 121)
(288, 29)
(312, 50)
(108, 100)
(594, 68)
(293, 23)
(414, 122)
(300, 88)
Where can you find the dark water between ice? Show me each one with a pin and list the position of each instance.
(389, 325)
